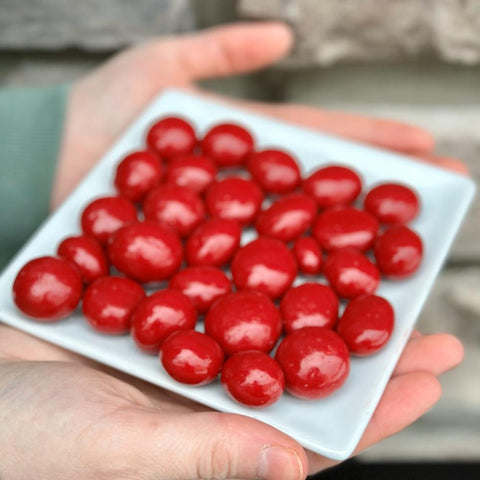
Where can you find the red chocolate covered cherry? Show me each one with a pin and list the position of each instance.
(309, 305)
(315, 362)
(333, 185)
(265, 265)
(308, 255)
(227, 144)
(146, 252)
(202, 285)
(366, 324)
(191, 357)
(253, 379)
(275, 171)
(159, 315)
(392, 203)
(398, 252)
(195, 172)
(87, 255)
(104, 216)
(108, 303)
(244, 321)
(350, 273)
(47, 289)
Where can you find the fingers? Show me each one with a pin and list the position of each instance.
(446, 162)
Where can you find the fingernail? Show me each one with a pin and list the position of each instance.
(279, 463)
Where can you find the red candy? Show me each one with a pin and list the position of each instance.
(266, 265)
(392, 203)
(195, 172)
(159, 315)
(275, 171)
(350, 273)
(227, 144)
(398, 252)
(234, 198)
(146, 252)
(104, 216)
(345, 227)
(309, 305)
(287, 218)
(366, 324)
(253, 379)
(315, 362)
(308, 255)
(191, 357)
(47, 289)
(244, 321)
(108, 304)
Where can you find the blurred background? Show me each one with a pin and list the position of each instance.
(412, 60)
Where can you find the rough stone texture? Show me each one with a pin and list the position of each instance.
(329, 31)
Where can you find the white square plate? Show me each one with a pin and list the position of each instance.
(331, 426)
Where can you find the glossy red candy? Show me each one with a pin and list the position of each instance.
(266, 265)
(315, 362)
(195, 172)
(350, 273)
(213, 242)
(202, 285)
(398, 252)
(309, 305)
(333, 185)
(159, 315)
(227, 144)
(308, 255)
(366, 324)
(104, 216)
(244, 321)
(392, 203)
(275, 171)
(47, 289)
(87, 255)
(177, 208)
(287, 218)
(345, 227)
(171, 137)
(234, 198)
(253, 379)
(108, 303)
(146, 252)
(191, 357)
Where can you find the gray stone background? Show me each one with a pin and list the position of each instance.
(413, 60)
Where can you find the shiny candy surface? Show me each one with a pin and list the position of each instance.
(308, 255)
(195, 172)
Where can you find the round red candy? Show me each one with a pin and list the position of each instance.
(350, 273)
(333, 185)
(47, 289)
(287, 218)
(195, 172)
(171, 137)
(345, 227)
(392, 203)
(213, 242)
(266, 265)
(108, 303)
(366, 324)
(275, 171)
(315, 362)
(309, 305)
(104, 216)
(244, 321)
(227, 144)
(146, 252)
(234, 198)
(159, 315)
(191, 357)
(87, 255)
(178, 208)
(308, 255)
(253, 379)
(202, 285)
(398, 252)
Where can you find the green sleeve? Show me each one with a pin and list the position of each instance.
(31, 122)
